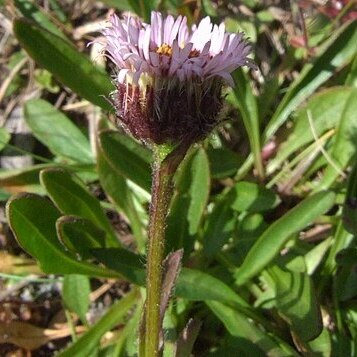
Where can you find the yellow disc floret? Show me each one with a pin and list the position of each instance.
(165, 50)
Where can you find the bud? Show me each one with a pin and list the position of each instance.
(169, 77)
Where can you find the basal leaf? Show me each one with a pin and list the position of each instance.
(130, 159)
(59, 57)
(32, 218)
(72, 198)
(296, 302)
(85, 344)
(278, 233)
(56, 131)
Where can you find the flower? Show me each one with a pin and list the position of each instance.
(169, 77)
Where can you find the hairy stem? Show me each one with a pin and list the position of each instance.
(161, 193)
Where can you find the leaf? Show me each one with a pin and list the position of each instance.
(192, 185)
(79, 235)
(341, 240)
(349, 212)
(344, 146)
(272, 240)
(248, 230)
(223, 168)
(248, 107)
(116, 187)
(187, 338)
(321, 346)
(56, 131)
(199, 189)
(220, 227)
(296, 302)
(32, 219)
(172, 267)
(346, 283)
(89, 340)
(238, 325)
(127, 157)
(75, 294)
(70, 67)
(337, 52)
(4, 137)
(326, 108)
(251, 197)
(73, 199)
(34, 12)
(127, 263)
(196, 285)
(316, 255)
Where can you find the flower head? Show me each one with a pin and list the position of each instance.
(169, 76)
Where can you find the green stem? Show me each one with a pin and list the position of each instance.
(161, 193)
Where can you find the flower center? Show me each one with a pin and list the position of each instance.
(166, 50)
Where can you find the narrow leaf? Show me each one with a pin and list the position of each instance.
(32, 219)
(238, 325)
(75, 294)
(56, 131)
(79, 235)
(115, 315)
(296, 302)
(73, 199)
(250, 197)
(273, 239)
(130, 159)
(339, 51)
(70, 67)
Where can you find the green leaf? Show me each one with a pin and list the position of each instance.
(79, 235)
(32, 219)
(346, 282)
(248, 107)
(351, 79)
(127, 263)
(344, 147)
(273, 239)
(223, 168)
(192, 186)
(127, 157)
(191, 284)
(296, 302)
(4, 137)
(72, 198)
(199, 189)
(248, 230)
(89, 340)
(23, 180)
(70, 67)
(341, 240)
(316, 255)
(32, 11)
(116, 188)
(56, 131)
(349, 213)
(75, 294)
(325, 109)
(251, 197)
(196, 285)
(238, 325)
(220, 227)
(321, 346)
(338, 52)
